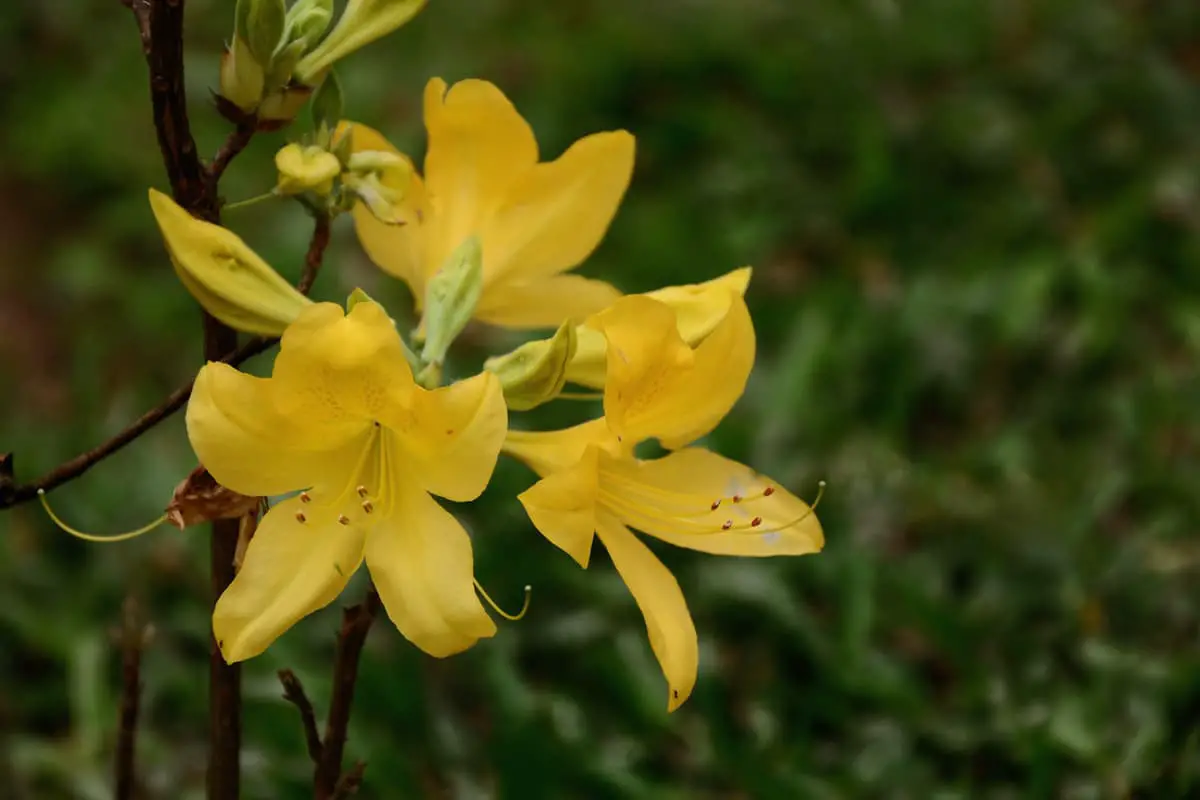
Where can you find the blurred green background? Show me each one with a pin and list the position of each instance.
(976, 233)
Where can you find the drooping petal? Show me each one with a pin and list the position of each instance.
(291, 569)
(335, 367)
(656, 385)
(673, 498)
(478, 147)
(553, 451)
(452, 435)
(544, 302)
(562, 506)
(421, 561)
(698, 308)
(225, 276)
(555, 214)
(672, 633)
(240, 435)
(399, 249)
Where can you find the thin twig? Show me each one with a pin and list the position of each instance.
(351, 780)
(316, 253)
(293, 692)
(356, 622)
(134, 636)
(68, 470)
(141, 13)
(234, 144)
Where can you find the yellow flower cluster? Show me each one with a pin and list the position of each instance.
(359, 440)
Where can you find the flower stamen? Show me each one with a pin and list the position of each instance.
(495, 607)
(92, 537)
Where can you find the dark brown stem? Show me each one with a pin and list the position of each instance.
(234, 144)
(293, 692)
(315, 255)
(133, 637)
(68, 470)
(356, 622)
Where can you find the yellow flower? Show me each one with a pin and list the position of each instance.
(698, 308)
(659, 387)
(341, 420)
(225, 276)
(534, 220)
(306, 169)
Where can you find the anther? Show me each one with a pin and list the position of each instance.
(367, 507)
(727, 524)
(716, 504)
(767, 492)
(737, 498)
(300, 517)
(754, 523)
(305, 497)
(362, 491)
(343, 519)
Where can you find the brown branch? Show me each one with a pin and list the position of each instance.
(356, 622)
(293, 692)
(234, 144)
(134, 636)
(316, 253)
(16, 494)
(141, 13)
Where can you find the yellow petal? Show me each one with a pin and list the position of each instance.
(656, 385)
(452, 436)
(553, 451)
(337, 369)
(672, 633)
(555, 214)
(303, 169)
(421, 561)
(478, 146)
(544, 302)
(290, 570)
(562, 506)
(672, 498)
(698, 308)
(241, 437)
(224, 275)
(397, 249)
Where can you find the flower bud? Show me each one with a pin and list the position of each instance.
(242, 77)
(307, 22)
(361, 23)
(225, 276)
(261, 24)
(450, 299)
(281, 107)
(306, 169)
(535, 372)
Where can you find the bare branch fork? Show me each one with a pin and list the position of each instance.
(327, 752)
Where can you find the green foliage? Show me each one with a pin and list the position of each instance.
(976, 231)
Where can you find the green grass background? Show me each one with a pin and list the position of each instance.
(976, 233)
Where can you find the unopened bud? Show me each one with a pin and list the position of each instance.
(307, 22)
(361, 23)
(225, 276)
(242, 78)
(535, 372)
(306, 169)
(260, 23)
(450, 299)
